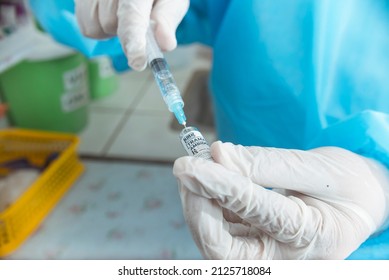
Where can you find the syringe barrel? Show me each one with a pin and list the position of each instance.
(164, 78)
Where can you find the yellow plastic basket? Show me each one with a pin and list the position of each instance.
(21, 218)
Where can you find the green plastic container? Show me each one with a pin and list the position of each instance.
(48, 91)
(102, 79)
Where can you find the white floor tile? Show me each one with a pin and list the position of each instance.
(101, 125)
(131, 85)
(149, 137)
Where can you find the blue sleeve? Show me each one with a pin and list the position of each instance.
(202, 22)
(365, 133)
(309, 74)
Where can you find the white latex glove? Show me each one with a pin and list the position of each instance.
(326, 203)
(129, 19)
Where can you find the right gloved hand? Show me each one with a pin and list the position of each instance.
(324, 204)
(129, 19)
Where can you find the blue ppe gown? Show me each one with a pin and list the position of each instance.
(290, 74)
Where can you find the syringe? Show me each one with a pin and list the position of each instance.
(164, 78)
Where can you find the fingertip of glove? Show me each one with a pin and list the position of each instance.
(187, 165)
(180, 165)
(136, 54)
(219, 149)
(233, 157)
(167, 43)
(138, 65)
(165, 36)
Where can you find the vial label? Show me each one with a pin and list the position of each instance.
(194, 143)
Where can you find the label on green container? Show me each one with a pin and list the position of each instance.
(105, 68)
(75, 78)
(76, 89)
(73, 100)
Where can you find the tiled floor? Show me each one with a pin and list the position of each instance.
(116, 210)
(133, 122)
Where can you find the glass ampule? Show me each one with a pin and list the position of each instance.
(194, 143)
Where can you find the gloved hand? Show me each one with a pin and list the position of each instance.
(325, 202)
(129, 19)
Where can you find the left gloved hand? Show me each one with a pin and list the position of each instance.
(325, 202)
(129, 20)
